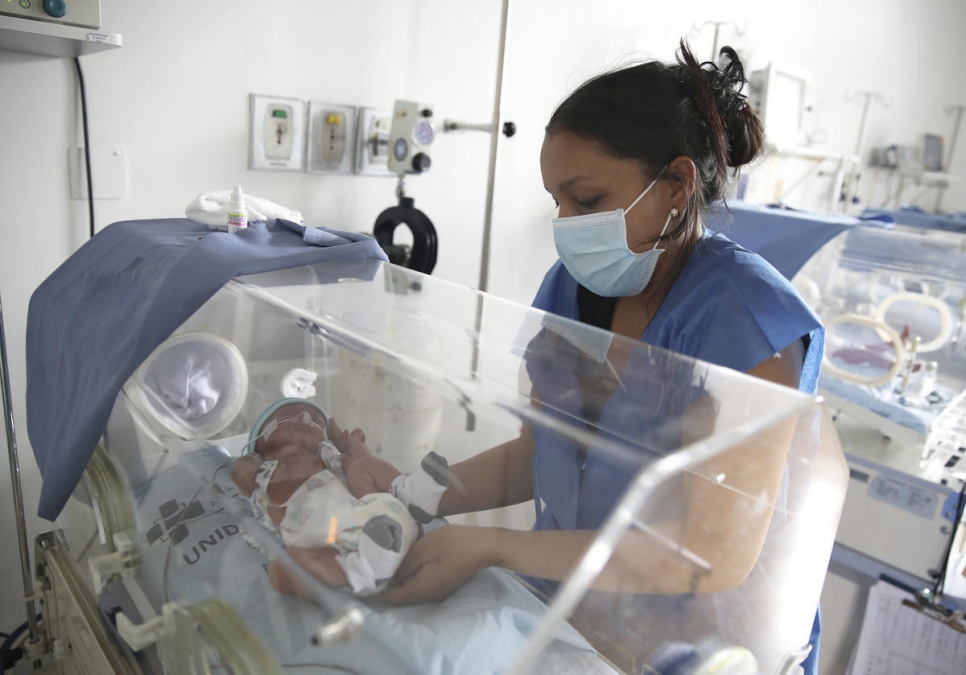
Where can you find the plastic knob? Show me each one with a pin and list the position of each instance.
(56, 8)
(509, 128)
(421, 162)
(426, 112)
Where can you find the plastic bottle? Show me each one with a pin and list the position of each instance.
(237, 215)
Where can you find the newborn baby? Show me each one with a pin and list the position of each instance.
(321, 498)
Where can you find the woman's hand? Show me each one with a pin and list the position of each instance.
(368, 475)
(364, 473)
(318, 561)
(352, 444)
(441, 562)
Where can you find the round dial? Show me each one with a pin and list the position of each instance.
(55, 8)
(423, 132)
(400, 149)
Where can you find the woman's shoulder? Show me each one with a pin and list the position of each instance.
(730, 307)
(718, 255)
(720, 266)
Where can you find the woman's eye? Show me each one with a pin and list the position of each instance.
(588, 203)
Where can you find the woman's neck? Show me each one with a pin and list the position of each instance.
(633, 314)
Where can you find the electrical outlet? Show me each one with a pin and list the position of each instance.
(277, 133)
(372, 142)
(331, 137)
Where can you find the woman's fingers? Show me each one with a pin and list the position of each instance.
(320, 562)
(343, 439)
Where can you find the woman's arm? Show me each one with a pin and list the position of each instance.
(722, 526)
(500, 476)
(731, 497)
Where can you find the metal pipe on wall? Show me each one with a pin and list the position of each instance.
(494, 149)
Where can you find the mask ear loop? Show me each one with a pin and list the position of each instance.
(646, 190)
(657, 241)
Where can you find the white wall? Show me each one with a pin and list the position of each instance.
(175, 97)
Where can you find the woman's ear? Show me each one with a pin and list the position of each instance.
(684, 174)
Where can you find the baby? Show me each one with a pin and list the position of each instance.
(321, 497)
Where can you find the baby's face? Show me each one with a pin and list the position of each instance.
(293, 434)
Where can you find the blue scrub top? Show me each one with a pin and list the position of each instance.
(728, 307)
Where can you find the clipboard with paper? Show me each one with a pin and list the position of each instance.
(901, 635)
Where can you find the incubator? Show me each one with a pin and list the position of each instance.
(730, 485)
(893, 300)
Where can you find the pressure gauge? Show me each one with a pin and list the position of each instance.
(423, 132)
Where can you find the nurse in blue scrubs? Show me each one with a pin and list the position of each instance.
(632, 159)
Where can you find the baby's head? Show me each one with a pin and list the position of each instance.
(290, 426)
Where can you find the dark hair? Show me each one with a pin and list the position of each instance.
(654, 112)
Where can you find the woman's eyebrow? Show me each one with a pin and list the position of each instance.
(570, 181)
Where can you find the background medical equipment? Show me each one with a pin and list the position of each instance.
(893, 299)
(779, 96)
(918, 218)
(410, 135)
(923, 166)
(86, 13)
(150, 567)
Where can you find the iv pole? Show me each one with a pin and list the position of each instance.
(494, 128)
(867, 98)
(28, 590)
(717, 29)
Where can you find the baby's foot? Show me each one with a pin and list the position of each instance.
(370, 568)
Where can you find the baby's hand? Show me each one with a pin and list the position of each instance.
(352, 444)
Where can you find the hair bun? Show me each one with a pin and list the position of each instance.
(745, 133)
(735, 132)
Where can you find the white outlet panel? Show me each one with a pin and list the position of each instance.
(372, 142)
(277, 133)
(332, 137)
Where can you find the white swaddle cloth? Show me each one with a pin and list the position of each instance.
(211, 209)
(372, 533)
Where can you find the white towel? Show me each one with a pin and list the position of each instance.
(211, 209)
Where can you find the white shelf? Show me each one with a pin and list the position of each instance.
(53, 39)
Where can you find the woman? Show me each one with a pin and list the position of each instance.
(633, 158)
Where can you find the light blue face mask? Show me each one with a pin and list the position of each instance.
(594, 250)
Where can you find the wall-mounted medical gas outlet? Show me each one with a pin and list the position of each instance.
(332, 137)
(372, 142)
(277, 133)
(411, 135)
(85, 13)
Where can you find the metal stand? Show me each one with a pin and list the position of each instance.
(718, 25)
(866, 98)
(28, 590)
(494, 128)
